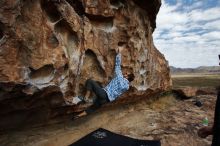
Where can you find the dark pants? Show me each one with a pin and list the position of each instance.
(101, 96)
(216, 128)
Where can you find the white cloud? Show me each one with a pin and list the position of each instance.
(212, 25)
(196, 5)
(214, 35)
(168, 14)
(205, 15)
(188, 36)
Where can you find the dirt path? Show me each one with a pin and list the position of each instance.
(174, 122)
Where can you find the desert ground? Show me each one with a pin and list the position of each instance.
(196, 80)
(172, 120)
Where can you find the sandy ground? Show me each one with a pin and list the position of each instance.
(174, 122)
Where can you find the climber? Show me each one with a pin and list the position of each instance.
(117, 86)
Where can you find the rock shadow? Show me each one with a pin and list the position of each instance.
(117, 3)
(77, 6)
(1, 30)
(51, 10)
(91, 64)
(101, 22)
(42, 75)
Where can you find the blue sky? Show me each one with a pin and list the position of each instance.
(188, 32)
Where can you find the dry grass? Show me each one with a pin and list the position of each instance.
(164, 102)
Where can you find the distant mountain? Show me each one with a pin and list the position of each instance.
(201, 69)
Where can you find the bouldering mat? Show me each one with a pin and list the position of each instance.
(103, 137)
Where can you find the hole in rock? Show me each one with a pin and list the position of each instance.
(69, 37)
(117, 3)
(1, 30)
(92, 64)
(78, 6)
(52, 41)
(142, 83)
(1, 34)
(122, 43)
(124, 37)
(66, 66)
(42, 75)
(101, 22)
(148, 5)
(73, 39)
(51, 10)
(63, 55)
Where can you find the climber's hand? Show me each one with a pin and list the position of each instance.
(204, 132)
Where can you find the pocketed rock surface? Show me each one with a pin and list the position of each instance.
(49, 48)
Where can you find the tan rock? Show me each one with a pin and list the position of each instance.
(46, 44)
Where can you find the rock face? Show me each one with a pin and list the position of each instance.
(48, 48)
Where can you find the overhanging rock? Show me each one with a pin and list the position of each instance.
(48, 48)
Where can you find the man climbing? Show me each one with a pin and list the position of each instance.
(116, 87)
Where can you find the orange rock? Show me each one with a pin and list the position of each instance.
(48, 44)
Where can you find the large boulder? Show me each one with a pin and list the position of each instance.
(48, 48)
